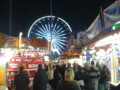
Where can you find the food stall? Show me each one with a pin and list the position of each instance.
(71, 57)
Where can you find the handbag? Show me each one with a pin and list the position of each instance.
(78, 85)
(80, 82)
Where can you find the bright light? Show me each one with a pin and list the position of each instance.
(8, 54)
(56, 31)
(108, 40)
(46, 58)
(113, 28)
(31, 47)
(20, 38)
(22, 45)
(101, 52)
(92, 51)
(55, 50)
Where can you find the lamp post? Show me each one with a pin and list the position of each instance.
(20, 39)
(50, 43)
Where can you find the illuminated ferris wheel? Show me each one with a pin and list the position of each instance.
(53, 29)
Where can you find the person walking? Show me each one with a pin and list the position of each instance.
(40, 79)
(79, 76)
(94, 76)
(105, 76)
(50, 75)
(21, 80)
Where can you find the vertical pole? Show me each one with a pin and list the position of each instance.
(113, 66)
(51, 21)
(10, 17)
(20, 38)
(50, 29)
(51, 7)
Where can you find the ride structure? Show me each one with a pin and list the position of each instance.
(54, 29)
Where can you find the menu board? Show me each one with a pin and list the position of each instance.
(2, 74)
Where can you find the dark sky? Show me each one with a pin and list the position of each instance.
(79, 14)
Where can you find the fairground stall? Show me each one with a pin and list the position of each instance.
(104, 44)
(107, 51)
(71, 57)
(13, 53)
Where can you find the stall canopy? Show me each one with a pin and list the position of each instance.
(70, 53)
(111, 15)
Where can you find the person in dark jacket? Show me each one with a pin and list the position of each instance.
(105, 76)
(40, 79)
(21, 80)
(94, 76)
(69, 83)
(57, 77)
(79, 76)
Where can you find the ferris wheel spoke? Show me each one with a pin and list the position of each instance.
(41, 30)
(36, 31)
(57, 31)
(37, 34)
(44, 28)
(58, 27)
(58, 48)
(47, 30)
(41, 33)
(64, 37)
(61, 40)
(51, 27)
(61, 43)
(61, 34)
(63, 31)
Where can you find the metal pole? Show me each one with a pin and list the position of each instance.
(10, 17)
(51, 19)
(51, 7)
(51, 29)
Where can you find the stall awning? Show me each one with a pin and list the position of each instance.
(70, 53)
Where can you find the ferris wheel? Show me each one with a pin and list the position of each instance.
(53, 29)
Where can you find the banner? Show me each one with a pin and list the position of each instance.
(81, 38)
(111, 16)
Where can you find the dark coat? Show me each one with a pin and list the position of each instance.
(71, 85)
(40, 80)
(21, 81)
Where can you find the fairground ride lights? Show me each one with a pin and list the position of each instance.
(3, 60)
(92, 51)
(7, 56)
(108, 40)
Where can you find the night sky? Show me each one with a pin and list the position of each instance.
(79, 14)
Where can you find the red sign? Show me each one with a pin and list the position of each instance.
(30, 65)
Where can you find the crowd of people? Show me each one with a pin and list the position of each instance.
(61, 76)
